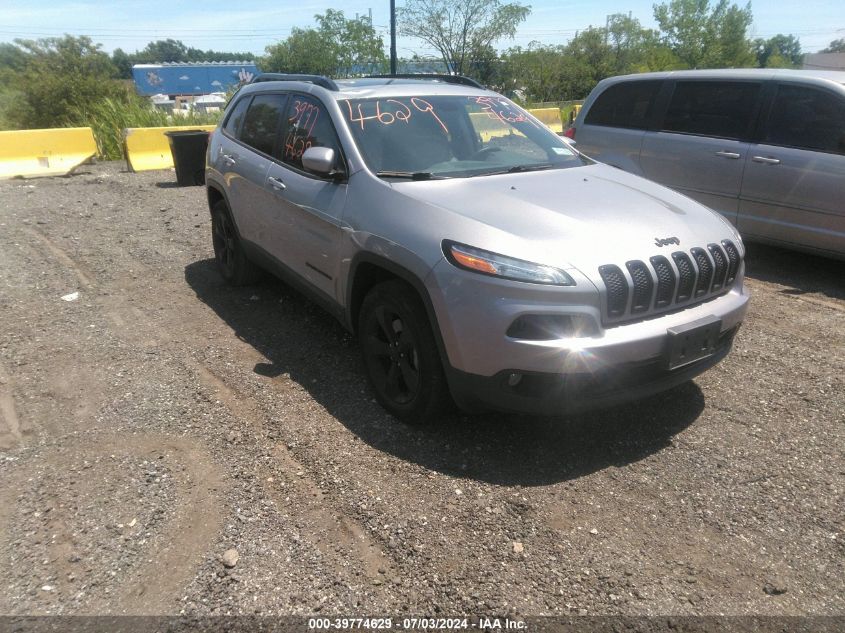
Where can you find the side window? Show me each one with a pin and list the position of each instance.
(233, 122)
(627, 105)
(261, 123)
(807, 118)
(712, 108)
(308, 125)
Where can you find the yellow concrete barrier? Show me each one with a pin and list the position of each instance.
(148, 148)
(488, 127)
(53, 152)
(550, 117)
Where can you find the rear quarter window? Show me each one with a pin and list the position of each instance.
(629, 105)
(806, 118)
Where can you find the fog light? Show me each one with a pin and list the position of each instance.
(514, 379)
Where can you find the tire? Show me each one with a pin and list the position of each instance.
(232, 262)
(400, 354)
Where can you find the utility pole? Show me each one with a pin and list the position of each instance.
(392, 37)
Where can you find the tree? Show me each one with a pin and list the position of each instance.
(162, 51)
(123, 63)
(553, 73)
(304, 51)
(355, 43)
(337, 47)
(60, 76)
(779, 51)
(702, 36)
(836, 46)
(12, 58)
(461, 30)
(536, 70)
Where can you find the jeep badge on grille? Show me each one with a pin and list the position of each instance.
(666, 241)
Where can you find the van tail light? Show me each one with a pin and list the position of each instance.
(570, 132)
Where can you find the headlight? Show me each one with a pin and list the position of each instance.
(496, 265)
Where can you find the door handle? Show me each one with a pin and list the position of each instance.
(765, 160)
(732, 155)
(228, 159)
(277, 184)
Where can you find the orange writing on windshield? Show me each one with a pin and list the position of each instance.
(502, 110)
(390, 111)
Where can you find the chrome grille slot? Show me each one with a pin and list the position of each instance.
(720, 262)
(733, 261)
(617, 289)
(686, 272)
(643, 286)
(665, 281)
(705, 271)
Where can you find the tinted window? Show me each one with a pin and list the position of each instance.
(308, 125)
(626, 104)
(807, 118)
(261, 123)
(233, 123)
(712, 108)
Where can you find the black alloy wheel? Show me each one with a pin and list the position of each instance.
(232, 262)
(400, 354)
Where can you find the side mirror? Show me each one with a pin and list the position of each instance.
(320, 160)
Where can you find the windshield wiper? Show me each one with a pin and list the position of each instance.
(518, 169)
(411, 175)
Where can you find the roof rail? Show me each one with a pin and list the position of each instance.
(446, 79)
(317, 80)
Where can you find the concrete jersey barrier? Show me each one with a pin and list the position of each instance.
(50, 152)
(488, 127)
(147, 148)
(550, 117)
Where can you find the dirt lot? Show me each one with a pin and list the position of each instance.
(163, 418)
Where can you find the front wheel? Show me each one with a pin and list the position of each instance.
(232, 261)
(400, 353)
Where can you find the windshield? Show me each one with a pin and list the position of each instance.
(452, 136)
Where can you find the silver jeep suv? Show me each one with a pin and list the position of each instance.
(475, 254)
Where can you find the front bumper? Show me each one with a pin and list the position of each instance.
(560, 394)
(613, 365)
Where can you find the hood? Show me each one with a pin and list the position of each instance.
(580, 217)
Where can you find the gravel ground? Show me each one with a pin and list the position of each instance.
(162, 419)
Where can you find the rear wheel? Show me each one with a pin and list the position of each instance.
(400, 353)
(232, 261)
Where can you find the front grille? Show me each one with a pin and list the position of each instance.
(733, 261)
(665, 281)
(643, 285)
(721, 266)
(705, 271)
(617, 290)
(659, 285)
(687, 276)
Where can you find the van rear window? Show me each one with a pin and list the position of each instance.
(627, 105)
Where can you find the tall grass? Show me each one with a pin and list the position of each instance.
(109, 117)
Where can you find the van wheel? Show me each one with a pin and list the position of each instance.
(400, 354)
(232, 262)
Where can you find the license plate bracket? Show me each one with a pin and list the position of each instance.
(692, 342)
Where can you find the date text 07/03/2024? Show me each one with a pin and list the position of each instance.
(418, 623)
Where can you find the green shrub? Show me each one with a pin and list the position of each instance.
(109, 117)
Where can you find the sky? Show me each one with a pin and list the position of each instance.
(249, 25)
